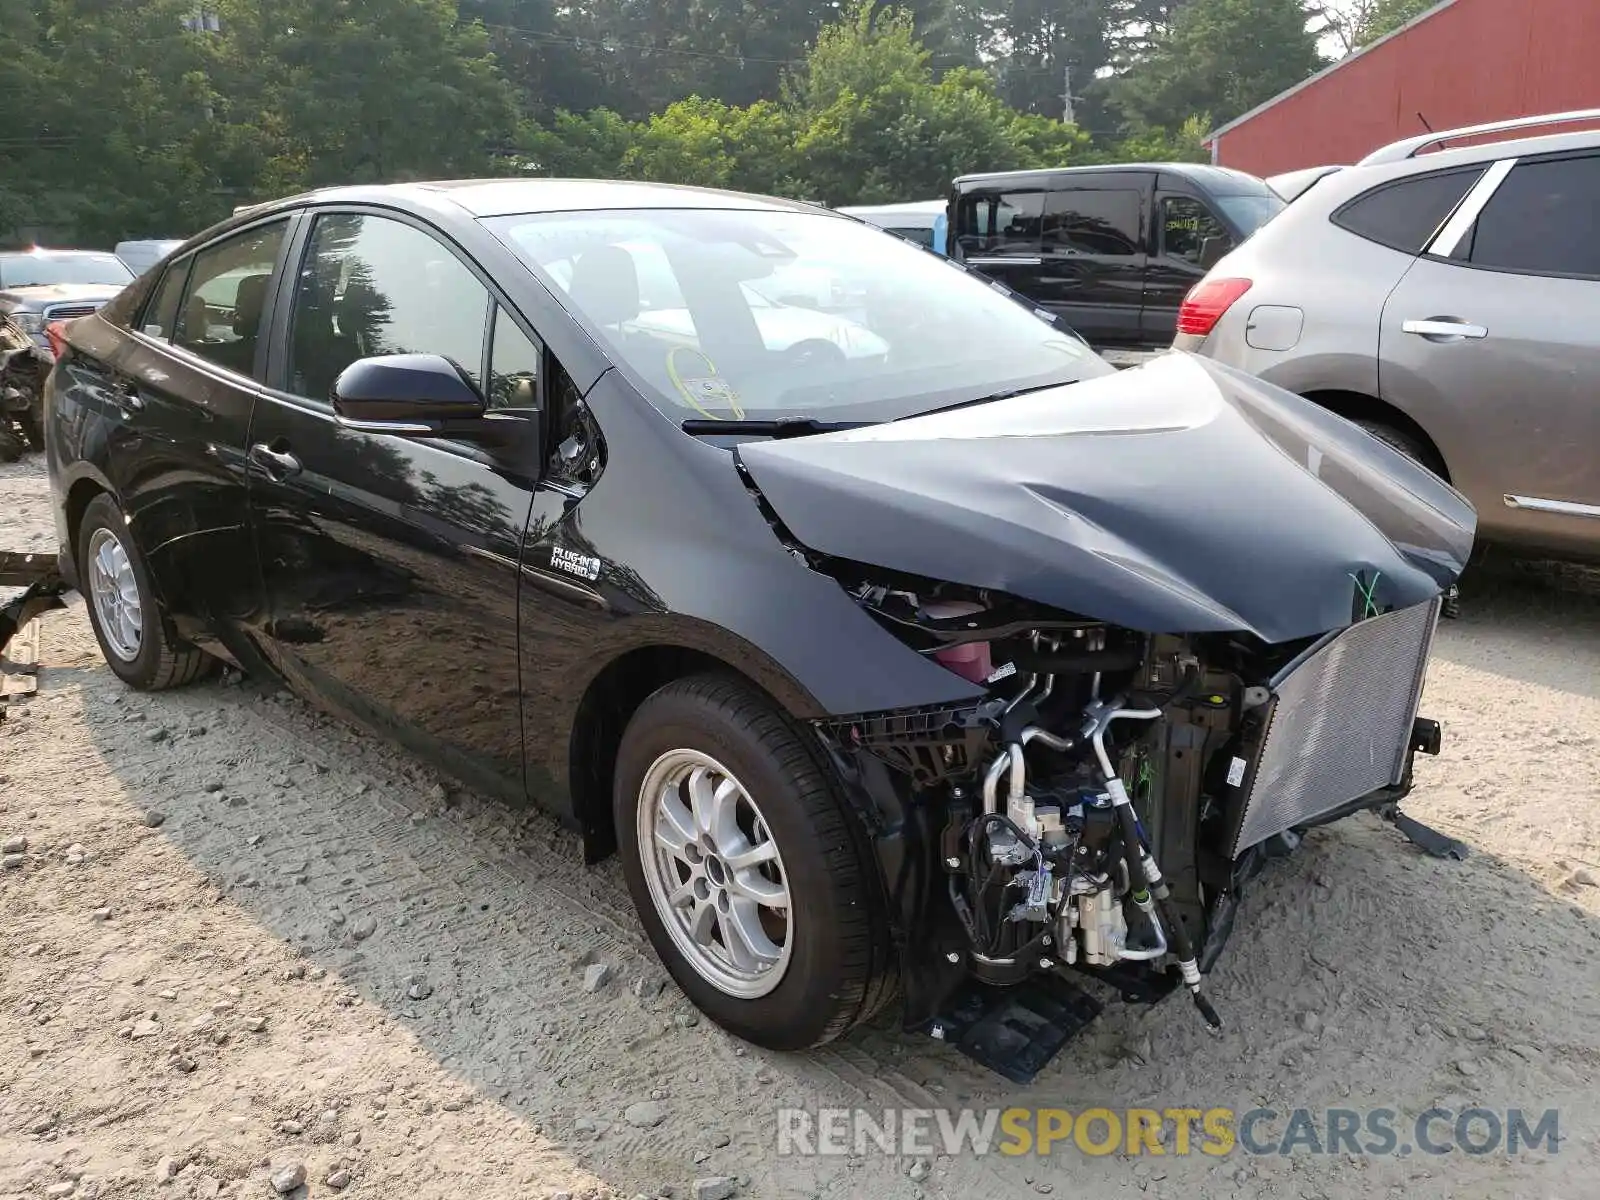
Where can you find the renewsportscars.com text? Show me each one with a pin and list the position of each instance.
(1179, 1132)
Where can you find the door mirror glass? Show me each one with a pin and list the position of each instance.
(405, 394)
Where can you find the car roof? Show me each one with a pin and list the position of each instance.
(1212, 178)
(47, 252)
(508, 197)
(1483, 151)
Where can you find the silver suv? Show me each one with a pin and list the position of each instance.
(1449, 302)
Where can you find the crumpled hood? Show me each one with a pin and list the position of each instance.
(1182, 496)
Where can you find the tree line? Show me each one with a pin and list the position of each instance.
(150, 118)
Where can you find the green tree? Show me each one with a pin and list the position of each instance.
(708, 143)
(878, 126)
(121, 128)
(1385, 16)
(1220, 57)
(351, 91)
(577, 145)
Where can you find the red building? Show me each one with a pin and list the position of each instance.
(1463, 62)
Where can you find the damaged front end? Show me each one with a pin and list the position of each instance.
(1102, 807)
(1192, 687)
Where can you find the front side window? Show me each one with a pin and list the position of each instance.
(372, 286)
(990, 224)
(766, 314)
(513, 366)
(1186, 227)
(1544, 219)
(1405, 215)
(1102, 223)
(225, 298)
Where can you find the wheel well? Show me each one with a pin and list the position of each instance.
(79, 497)
(1353, 406)
(603, 714)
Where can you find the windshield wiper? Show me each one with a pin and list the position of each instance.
(989, 399)
(782, 427)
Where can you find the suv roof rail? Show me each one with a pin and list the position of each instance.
(1410, 147)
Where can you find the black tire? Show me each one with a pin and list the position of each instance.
(162, 661)
(840, 970)
(1405, 443)
(1413, 449)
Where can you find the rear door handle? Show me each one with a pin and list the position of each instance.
(1444, 328)
(278, 464)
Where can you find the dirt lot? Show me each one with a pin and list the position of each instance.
(242, 937)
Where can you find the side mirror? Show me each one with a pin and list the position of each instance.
(417, 394)
(1212, 251)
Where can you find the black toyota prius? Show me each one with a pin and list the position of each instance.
(898, 644)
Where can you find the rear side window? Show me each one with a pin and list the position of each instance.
(999, 223)
(1543, 220)
(161, 314)
(220, 319)
(1407, 213)
(1092, 222)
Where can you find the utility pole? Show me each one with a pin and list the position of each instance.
(1066, 95)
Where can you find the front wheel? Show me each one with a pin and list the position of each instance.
(753, 882)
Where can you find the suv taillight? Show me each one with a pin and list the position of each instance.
(1207, 301)
(56, 334)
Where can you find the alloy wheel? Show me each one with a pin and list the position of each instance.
(114, 590)
(715, 874)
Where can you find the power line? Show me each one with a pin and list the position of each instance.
(607, 43)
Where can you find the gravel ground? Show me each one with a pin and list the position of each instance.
(243, 942)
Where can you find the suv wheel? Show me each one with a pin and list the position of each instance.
(1397, 439)
(753, 882)
(138, 644)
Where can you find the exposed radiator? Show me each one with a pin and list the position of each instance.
(1340, 722)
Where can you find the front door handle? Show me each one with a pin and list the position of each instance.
(1444, 329)
(278, 464)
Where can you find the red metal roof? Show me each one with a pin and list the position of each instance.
(1462, 62)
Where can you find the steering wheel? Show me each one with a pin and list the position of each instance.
(813, 352)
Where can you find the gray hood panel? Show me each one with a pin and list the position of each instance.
(1182, 496)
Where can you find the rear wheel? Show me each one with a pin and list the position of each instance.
(1405, 443)
(138, 643)
(753, 882)
(1413, 449)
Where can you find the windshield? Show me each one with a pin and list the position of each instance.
(1251, 212)
(37, 270)
(762, 315)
